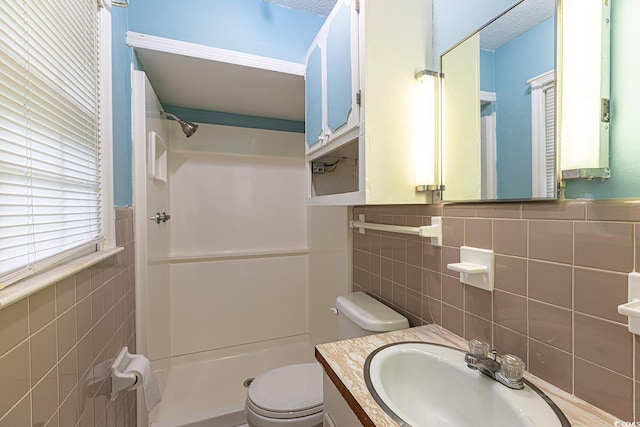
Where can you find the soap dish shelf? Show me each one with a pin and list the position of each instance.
(476, 267)
(468, 268)
(632, 308)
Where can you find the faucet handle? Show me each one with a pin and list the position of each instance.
(512, 367)
(478, 348)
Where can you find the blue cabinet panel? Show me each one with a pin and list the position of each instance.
(339, 86)
(313, 96)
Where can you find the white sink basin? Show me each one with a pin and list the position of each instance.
(422, 384)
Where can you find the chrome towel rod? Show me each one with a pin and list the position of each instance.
(434, 230)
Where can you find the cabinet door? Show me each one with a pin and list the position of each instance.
(313, 97)
(341, 36)
(337, 410)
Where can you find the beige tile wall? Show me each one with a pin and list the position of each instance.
(57, 345)
(561, 272)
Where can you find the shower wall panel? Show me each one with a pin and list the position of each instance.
(152, 250)
(226, 202)
(238, 256)
(224, 303)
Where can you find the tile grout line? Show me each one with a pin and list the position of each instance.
(573, 311)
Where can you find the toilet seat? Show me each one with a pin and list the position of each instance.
(292, 391)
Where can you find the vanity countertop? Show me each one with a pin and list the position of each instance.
(344, 361)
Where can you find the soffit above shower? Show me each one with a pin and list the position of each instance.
(205, 78)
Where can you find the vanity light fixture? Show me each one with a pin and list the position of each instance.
(584, 88)
(427, 128)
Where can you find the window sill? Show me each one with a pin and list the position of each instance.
(31, 285)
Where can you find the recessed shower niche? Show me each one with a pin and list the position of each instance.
(157, 158)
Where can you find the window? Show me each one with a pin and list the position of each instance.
(54, 134)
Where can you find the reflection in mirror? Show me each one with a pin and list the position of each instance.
(498, 130)
(624, 154)
(585, 86)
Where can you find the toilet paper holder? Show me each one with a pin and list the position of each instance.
(121, 380)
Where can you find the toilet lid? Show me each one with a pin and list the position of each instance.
(293, 388)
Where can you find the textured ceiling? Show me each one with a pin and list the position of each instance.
(517, 21)
(318, 7)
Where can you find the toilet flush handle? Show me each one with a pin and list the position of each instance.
(334, 310)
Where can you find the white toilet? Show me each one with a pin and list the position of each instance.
(292, 395)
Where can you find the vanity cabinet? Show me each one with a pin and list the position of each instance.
(337, 412)
(362, 115)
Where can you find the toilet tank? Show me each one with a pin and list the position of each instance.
(360, 315)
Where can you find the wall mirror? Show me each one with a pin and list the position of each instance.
(498, 108)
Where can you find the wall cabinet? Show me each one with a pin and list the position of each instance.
(362, 116)
(331, 78)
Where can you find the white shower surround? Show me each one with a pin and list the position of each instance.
(229, 287)
(238, 251)
(229, 269)
(237, 269)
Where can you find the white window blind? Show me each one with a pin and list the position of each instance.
(550, 139)
(543, 135)
(50, 191)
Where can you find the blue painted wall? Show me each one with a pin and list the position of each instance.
(121, 80)
(452, 22)
(624, 148)
(527, 56)
(487, 78)
(231, 119)
(250, 26)
(487, 70)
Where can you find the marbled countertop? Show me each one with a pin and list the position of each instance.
(344, 362)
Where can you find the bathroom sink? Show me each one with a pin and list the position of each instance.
(424, 384)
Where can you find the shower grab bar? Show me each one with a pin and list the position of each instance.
(434, 230)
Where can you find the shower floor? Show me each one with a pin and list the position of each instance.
(206, 389)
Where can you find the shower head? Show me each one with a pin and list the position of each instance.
(187, 127)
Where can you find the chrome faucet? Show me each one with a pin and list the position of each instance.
(508, 371)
